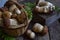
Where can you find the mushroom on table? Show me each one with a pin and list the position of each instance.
(43, 6)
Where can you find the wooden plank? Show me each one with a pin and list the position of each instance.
(54, 30)
(20, 38)
(38, 37)
(45, 37)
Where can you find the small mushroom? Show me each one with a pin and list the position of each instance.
(7, 14)
(30, 34)
(21, 18)
(18, 11)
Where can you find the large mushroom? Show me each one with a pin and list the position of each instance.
(40, 29)
(43, 6)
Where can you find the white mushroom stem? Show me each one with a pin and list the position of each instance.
(14, 7)
(17, 11)
(13, 22)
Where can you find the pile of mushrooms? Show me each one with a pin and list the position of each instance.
(15, 14)
(43, 6)
(13, 18)
(37, 29)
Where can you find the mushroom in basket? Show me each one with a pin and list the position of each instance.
(16, 9)
(1, 15)
(15, 19)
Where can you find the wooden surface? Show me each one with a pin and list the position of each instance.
(46, 19)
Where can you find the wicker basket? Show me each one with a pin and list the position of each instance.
(17, 31)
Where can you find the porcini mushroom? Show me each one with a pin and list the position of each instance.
(40, 29)
(30, 34)
(44, 6)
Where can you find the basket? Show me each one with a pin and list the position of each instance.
(12, 30)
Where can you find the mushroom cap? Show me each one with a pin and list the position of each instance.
(38, 28)
(9, 3)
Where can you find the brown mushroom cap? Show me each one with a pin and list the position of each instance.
(9, 3)
(6, 17)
